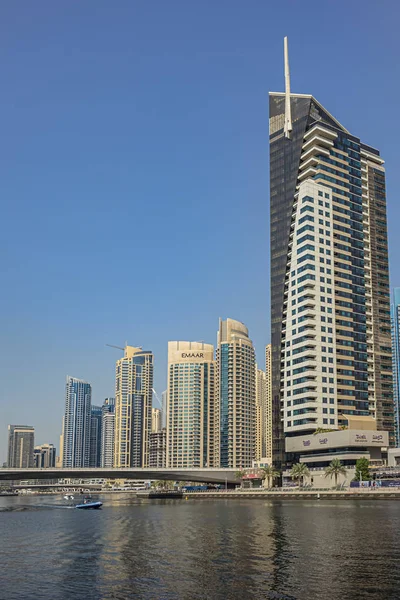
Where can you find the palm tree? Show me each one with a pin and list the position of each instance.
(299, 471)
(335, 468)
(270, 474)
(240, 473)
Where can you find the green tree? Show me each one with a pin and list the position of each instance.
(335, 468)
(270, 474)
(240, 473)
(362, 470)
(299, 472)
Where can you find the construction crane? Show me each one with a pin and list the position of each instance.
(111, 346)
(158, 399)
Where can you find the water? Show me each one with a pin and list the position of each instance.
(199, 549)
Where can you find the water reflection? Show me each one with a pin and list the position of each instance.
(199, 550)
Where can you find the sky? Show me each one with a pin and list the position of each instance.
(134, 173)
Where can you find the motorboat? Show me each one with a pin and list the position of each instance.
(88, 504)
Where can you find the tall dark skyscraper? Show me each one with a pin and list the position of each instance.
(76, 424)
(330, 302)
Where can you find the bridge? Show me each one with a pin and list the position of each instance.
(207, 475)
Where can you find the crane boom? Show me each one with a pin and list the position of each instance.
(158, 399)
(111, 346)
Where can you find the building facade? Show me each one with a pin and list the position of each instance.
(330, 313)
(261, 414)
(156, 420)
(133, 404)
(44, 456)
(236, 405)
(268, 376)
(158, 449)
(96, 417)
(190, 405)
(107, 432)
(395, 309)
(21, 443)
(164, 396)
(76, 423)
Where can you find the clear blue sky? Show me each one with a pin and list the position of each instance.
(134, 172)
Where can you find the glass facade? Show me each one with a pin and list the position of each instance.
(77, 416)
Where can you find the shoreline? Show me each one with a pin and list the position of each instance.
(390, 494)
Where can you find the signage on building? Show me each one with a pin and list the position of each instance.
(192, 355)
(338, 439)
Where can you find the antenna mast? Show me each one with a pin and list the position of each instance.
(288, 114)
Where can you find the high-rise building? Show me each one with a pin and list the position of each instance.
(395, 310)
(261, 415)
(330, 313)
(76, 430)
(268, 404)
(44, 456)
(158, 449)
(164, 397)
(156, 419)
(59, 459)
(133, 403)
(236, 405)
(96, 415)
(21, 442)
(107, 432)
(190, 405)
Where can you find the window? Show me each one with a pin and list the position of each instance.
(321, 194)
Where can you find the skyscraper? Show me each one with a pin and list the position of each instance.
(133, 403)
(236, 404)
(158, 449)
(395, 310)
(155, 420)
(44, 456)
(21, 442)
(330, 314)
(261, 414)
(96, 415)
(107, 432)
(268, 404)
(76, 430)
(164, 408)
(190, 405)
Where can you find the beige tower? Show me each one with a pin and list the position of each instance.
(268, 404)
(190, 405)
(155, 420)
(133, 403)
(261, 414)
(236, 401)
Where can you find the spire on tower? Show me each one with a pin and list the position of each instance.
(288, 115)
